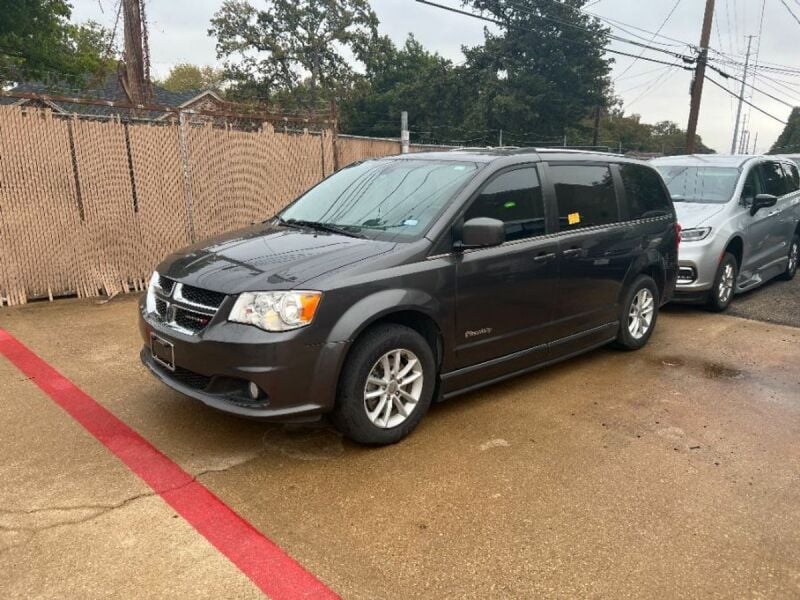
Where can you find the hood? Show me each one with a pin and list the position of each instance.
(266, 257)
(695, 214)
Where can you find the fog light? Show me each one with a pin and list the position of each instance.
(254, 391)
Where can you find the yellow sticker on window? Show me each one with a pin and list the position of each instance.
(574, 218)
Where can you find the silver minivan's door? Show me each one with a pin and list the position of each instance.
(773, 229)
(758, 249)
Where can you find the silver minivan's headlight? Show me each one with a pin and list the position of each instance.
(150, 303)
(695, 235)
(276, 311)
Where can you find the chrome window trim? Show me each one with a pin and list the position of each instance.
(556, 235)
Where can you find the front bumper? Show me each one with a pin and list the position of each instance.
(297, 380)
(697, 270)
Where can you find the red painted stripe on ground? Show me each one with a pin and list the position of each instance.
(269, 567)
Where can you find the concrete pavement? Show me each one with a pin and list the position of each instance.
(670, 472)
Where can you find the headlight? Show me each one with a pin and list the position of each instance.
(150, 303)
(276, 311)
(695, 235)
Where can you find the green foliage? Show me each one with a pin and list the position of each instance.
(545, 70)
(37, 42)
(617, 129)
(292, 49)
(789, 140)
(186, 77)
(407, 78)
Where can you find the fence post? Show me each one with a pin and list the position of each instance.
(187, 175)
(405, 136)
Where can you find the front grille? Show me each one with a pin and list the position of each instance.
(161, 308)
(184, 307)
(200, 296)
(190, 320)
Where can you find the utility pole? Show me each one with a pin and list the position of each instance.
(405, 135)
(741, 95)
(500, 141)
(755, 144)
(699, 78)
(133, 75)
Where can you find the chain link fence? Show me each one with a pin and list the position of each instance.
(89, 206)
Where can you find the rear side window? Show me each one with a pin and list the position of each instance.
(792, 176)
(516, 199)
(585, 195)
(774, 180)
(645, 193)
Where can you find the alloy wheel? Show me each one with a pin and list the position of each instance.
(640, 316)
(794, 254)
(725, 288)
(393, 388)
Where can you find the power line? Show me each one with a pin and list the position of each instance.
(687, 59)
(660, 27)
(791, 12)
(734, 94)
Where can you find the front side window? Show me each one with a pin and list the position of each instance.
(383, 199)
(703, 185)
(645, 193)
(774, 180)
(515, 198)
(752, 187)
(585, 195)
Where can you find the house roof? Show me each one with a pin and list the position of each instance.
(109, 88)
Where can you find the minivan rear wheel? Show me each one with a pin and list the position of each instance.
(794, 259)
(639, 314)
(721, 294)
(386, 385)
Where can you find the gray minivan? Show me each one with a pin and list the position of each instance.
(741, 223)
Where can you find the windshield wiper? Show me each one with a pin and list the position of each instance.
(328, 227)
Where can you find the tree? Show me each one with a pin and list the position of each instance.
(293, 48)
(186, 77)
(37, 41)
(408, 78)
(789, 140)
(545, 71)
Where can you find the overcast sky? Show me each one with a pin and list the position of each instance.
(178, 33)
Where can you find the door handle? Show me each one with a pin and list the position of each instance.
(544, 257)
(773, 213)
(573, 252)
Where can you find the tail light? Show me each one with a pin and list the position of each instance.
(678, 230)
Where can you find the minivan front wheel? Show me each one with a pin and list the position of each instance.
(386, 385)
(721, 294)
(794, 259)
(639, 314)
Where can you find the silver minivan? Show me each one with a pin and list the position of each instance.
(741, 223)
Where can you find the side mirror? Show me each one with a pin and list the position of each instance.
(482, 233)
(763, 201)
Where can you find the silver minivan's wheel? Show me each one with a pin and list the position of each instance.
(794, 259)
(721, 294)
(386, 385)
(639, 314)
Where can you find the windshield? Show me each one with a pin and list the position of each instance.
(705, 185)
(383, 199)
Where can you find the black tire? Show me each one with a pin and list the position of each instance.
(794, 258)
(350, 413)
(717, 301)
(626, 340)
